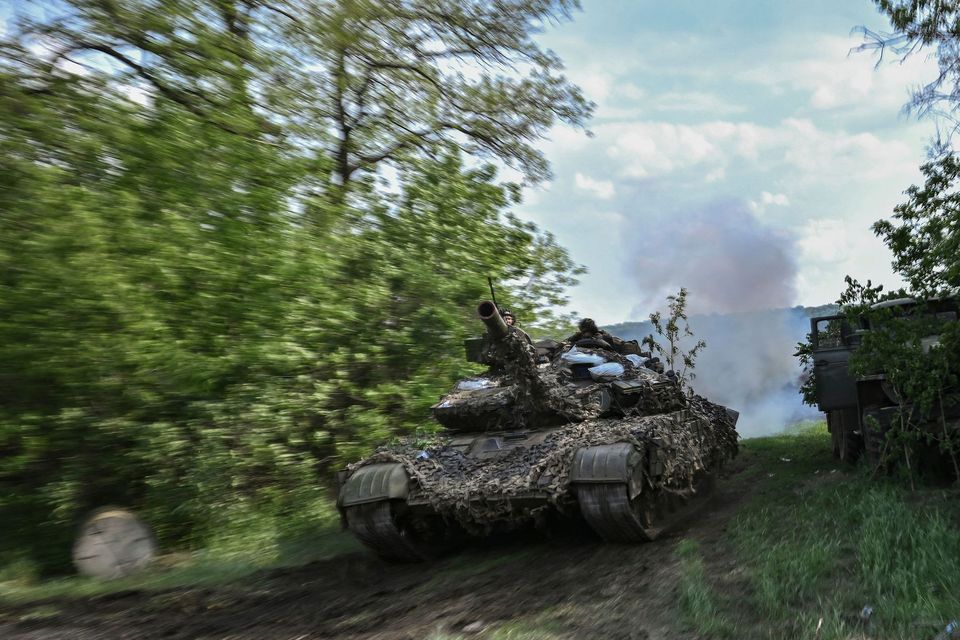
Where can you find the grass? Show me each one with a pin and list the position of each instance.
(248, 542)
(818, 544)
(698, 601)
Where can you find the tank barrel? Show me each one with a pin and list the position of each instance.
(491, 317)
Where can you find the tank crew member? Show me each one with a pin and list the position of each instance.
(588, 330)
(511, 321)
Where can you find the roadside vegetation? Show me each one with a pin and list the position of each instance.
(827, 552)
(210, 296)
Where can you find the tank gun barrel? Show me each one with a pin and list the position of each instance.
(491, 317)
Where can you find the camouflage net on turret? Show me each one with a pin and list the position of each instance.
(544, 391)
(478, 493)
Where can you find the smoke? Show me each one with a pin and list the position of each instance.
(727, 258)
(748, 365)
(731, 264)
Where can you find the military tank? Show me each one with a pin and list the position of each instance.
(549, 432)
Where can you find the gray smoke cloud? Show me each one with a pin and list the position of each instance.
(732, 264)
(725, 257)
(749, 366)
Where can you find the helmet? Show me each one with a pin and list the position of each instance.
(587, 325)
(506, 312)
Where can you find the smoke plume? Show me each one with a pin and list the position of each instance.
(731, 264)
(725, 257)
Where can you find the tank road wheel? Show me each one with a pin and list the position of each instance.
(617, 518)
(609, 487)
(393, 533)
(373, 501)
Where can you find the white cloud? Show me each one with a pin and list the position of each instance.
(767, 199)
(779, 199)
(694, 102)
(824, 240)
(805, 150)
(835, 76)
(603, 189)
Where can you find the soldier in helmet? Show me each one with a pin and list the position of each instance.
(511, 321)
(588, 330)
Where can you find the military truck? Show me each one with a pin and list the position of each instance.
(861, 409)
(548, 432)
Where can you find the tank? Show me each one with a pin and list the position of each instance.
(549, 433)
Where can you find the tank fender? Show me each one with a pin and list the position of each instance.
(382, 481)
(609, 463)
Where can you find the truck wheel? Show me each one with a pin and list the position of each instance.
(849, 444)
(835, 426)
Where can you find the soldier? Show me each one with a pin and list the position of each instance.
(588, 330)
(511, 320)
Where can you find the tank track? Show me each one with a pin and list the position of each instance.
(610, 512)
(377, 526)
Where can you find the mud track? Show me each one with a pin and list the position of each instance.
(570, 586)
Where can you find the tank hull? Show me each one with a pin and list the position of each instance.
(629, 478)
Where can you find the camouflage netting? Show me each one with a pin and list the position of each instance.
(553, 416)
(542, 395)
(477, 493)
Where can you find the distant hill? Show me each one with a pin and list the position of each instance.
(637, 330)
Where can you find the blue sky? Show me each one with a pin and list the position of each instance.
(739, 150)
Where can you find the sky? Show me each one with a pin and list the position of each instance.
(738, 149)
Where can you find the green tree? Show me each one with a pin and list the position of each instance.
(675, 331)
(924, 234)
(359, 82)
(390, 80)
(193, 320)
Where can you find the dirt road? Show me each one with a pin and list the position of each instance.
(567, 587)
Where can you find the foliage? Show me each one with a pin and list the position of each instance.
(674, 331)
(808, 383)
(359, 82)
(196, 323)
(919, 24)
(924, 234)
(817, 546)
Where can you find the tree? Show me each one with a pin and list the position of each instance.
(390, 80)
(356, 82)
(924, 234)
(674, 331)
(918, 24)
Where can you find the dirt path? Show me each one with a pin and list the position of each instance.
(567, 587)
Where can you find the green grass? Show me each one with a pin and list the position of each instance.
(819, 543)
(526, 631)
(247, 542)
(698, 601)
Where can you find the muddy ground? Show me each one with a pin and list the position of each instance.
(569, 586)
